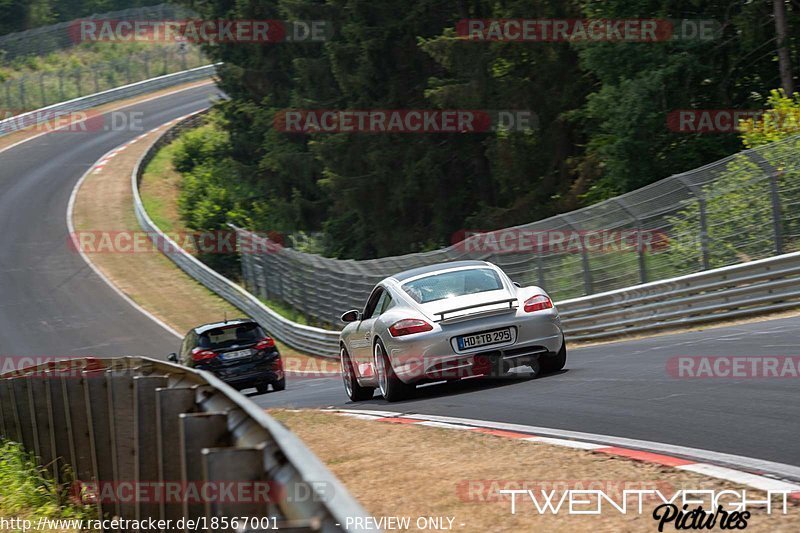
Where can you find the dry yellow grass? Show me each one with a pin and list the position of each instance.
(400, 470)
(104, 203)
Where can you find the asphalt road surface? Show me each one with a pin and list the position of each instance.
(52, 304)
(624, 389)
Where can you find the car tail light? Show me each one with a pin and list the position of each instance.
(266, 342)
(538, 303)
(199, 354)
(407, 326)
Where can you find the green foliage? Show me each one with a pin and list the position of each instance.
(739, 220)
(27, 489)
(602, 110)
(780, 120)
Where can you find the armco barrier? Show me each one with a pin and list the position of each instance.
(308, 339)
(136, 422)
(740, 290)
(44, 114)
(761, 286)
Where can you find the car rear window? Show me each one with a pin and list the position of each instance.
(452, 284)
(228, 336)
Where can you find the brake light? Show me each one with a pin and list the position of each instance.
(538, 303)
(266, 342)
(407, 326)
(199, 354)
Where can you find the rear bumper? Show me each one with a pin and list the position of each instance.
(434, 357)
(250, 374)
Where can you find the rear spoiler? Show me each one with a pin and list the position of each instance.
(509, 301)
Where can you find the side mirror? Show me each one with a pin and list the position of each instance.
(173, 357)
(516, 284)
(351, 316)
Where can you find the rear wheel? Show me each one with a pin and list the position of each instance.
(354, 391)
(279, 385)
(556, 362)
(262, 388)
(392, 389)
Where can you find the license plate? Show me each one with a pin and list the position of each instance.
(235, 355)
(497, 336)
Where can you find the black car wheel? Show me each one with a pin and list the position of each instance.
(392, 388)
(354, 391)
(554, 363)
(279, 385)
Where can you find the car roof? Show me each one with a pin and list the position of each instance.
(214, 325)
(414, 272)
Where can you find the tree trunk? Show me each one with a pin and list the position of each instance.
(784, 60)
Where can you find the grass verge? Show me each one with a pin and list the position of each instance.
(28, 493)
(401, 470)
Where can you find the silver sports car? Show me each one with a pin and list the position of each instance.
(449, 321)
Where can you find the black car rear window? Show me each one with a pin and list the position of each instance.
(228, 336)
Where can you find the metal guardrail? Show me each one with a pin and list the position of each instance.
(52, 112)
(142, 422)
(765, 285)
(308, 339)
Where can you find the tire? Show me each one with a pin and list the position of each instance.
(392, 389)
(354, 391)
(556, 362)
(262, 388)
(279, 385)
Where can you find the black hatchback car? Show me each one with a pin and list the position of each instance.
(238, 352)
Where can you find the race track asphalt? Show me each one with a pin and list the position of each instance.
(52, 304)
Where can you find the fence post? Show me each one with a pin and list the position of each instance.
(61, 85)
(776, 211)
(170, 404)
(701, 203)
(198, 431)
(587, 271)
(98, 416)
(639, 243)
(57, 415)
(145, 442)
(19, 391)
(78, 427)
(774, 189)
(120, 400)
(245, 465)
